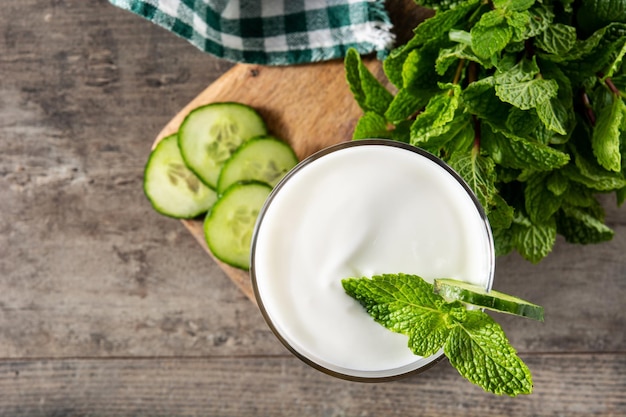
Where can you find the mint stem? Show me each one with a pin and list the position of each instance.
(588, 109)
(471, 72)
(609, 83)
(611, 86)
(476, 133)
(471, 77)
(459, 71)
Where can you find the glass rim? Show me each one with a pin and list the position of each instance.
(363, 376)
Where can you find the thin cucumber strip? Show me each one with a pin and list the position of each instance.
(228, 227)
(493, 300)
(172, 189)
(263, 158)
(210, 134)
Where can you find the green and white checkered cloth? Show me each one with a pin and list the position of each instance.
(272, 32)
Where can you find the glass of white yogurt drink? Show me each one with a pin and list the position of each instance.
(359, 209)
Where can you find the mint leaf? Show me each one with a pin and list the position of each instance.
(418, 70)
(579, 225)
(450, 56)
(392, 65)
(412, 69)
(491, 34)
(439, 111)
(522, 86)
(503, 240)
(480, 351)
(461, 36)
(596, 53)
(552, 71)
(557, 114)
(617, 60)
(516, 152)
(606, 135)
(594, 14)
(541, 203)
(540, 19)
(405, 103)
(369, 93)
(480, 99)
(557, 39)
(402, 131)
(427, 334)
(591, 174)
(456, 135)
(578, 195)
(553, 115)
(371, 125)
(404, 304)
(522, 122)
(533, 240)
(440, 5)
(500, 213)
(460, 134)
(414, 75)
(518, 21)
(479, 173)
(439, 25)
(593, 178)
(557, 183)
(513, 5)
(542, 128)
(621, 196)
(585, 47)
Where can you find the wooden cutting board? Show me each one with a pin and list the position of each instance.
(309, 106)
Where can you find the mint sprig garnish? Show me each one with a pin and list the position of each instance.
(473, 342)
(480, 351)
(526, 99)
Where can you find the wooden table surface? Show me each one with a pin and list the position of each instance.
(109, 309)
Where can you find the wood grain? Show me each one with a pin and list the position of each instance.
(282, 386)
(109, 309)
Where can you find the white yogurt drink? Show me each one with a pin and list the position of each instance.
(360, 209)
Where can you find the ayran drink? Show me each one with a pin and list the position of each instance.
(359, 209)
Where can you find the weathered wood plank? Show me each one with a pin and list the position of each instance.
(86, 266)
(283, 386)
(88, 270)
(85, 261)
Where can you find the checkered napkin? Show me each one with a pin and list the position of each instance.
(272, 32)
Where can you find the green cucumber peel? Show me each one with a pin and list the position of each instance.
(455, 290)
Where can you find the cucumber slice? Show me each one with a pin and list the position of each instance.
(229, 225)
(493, 300)
(263, 158)
(210, 134)
(173, 190)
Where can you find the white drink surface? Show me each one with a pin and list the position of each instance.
(357, 212)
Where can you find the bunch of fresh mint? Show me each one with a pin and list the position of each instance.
(472, 341)
(524, 99)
